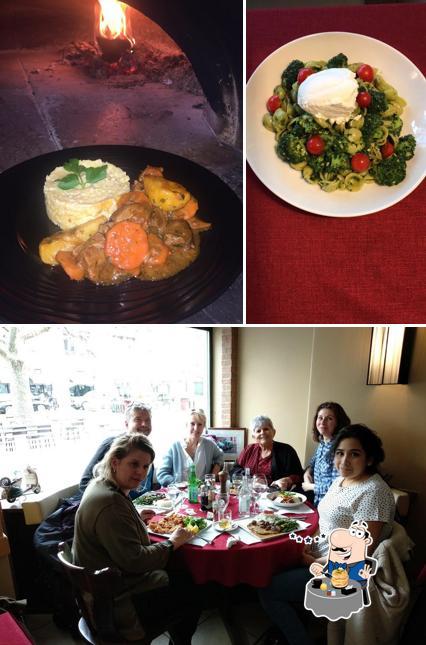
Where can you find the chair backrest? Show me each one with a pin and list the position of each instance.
(94, 592)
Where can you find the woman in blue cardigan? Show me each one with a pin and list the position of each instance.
(193, 449)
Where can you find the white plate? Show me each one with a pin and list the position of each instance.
(166, 535)
(289, 505)
(287, 183)
(301, 526)
(234, 527)
(182, 485)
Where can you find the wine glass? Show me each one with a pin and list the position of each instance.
(259, 486)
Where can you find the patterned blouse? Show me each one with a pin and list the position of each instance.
(371, 500)
(323, 470)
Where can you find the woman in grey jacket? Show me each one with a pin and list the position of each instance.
(193, 449)
(110, 533)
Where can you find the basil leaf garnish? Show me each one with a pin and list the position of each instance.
(81, 175)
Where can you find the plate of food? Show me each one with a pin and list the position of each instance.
(287, 499)
(115, 234)
(266, 526)
(159, 502)
(172, 521)
(336, 125)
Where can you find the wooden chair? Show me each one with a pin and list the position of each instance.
(94, 593)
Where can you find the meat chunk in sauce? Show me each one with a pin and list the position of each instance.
(178, 233)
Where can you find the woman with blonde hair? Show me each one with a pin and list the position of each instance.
(110, 533)
(193, 449)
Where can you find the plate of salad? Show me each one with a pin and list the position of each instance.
(336, 124)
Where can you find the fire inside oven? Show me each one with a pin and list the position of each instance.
(150, 72)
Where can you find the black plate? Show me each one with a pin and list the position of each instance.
(31, 291)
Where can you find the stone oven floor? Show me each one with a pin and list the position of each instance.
(46, 104)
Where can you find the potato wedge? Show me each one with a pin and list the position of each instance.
(165, 194)
(68, 240)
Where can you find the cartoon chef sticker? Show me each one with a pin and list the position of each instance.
(340, 587)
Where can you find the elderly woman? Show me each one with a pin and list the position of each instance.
(110, 533)
(137, 419)
(328, 420)
(277, 461)
(193, 449)
(359, 493)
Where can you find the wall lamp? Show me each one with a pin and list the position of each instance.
(390, 355)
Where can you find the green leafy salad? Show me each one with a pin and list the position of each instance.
(343, 128)
(194, 524)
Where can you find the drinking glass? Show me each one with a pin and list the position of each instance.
(173, 492)
(237, 480)
(225, 519)
(259, 486)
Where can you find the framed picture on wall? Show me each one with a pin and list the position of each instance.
(230, 440)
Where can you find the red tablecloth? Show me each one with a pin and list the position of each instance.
(251, 564)
(304, 268)
(11, 633)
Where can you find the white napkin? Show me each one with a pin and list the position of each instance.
(197, 541)
(247, 538)
(207, 534)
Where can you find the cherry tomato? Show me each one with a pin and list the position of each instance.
(360, 162)
(363, 99)
(365, 73)
(315, 145)
(387, 149)
(273, 103)
(304, 73)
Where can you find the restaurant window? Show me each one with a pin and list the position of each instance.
(63, 389)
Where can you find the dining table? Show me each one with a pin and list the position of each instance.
(306, 268)
(249, 561)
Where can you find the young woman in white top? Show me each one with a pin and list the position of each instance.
(359, 493)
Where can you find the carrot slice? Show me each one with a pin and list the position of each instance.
(158, 251)
(133, 196)
(67, 261)
(187, 211)
(126, 245)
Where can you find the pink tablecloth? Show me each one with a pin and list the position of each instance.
(253, 564)
(304, 268)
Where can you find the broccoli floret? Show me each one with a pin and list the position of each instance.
(329, 164)
(291, 148)
(379, 102)
(338, 61)
(335, 143)
(304, 124)
(405, 147)
(289, 75)
(372, 128)
(390, 171)
(338, 162)
(394, 125)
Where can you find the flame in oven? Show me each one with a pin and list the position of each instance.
(113, 22)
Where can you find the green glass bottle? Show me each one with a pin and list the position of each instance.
(192, 486)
